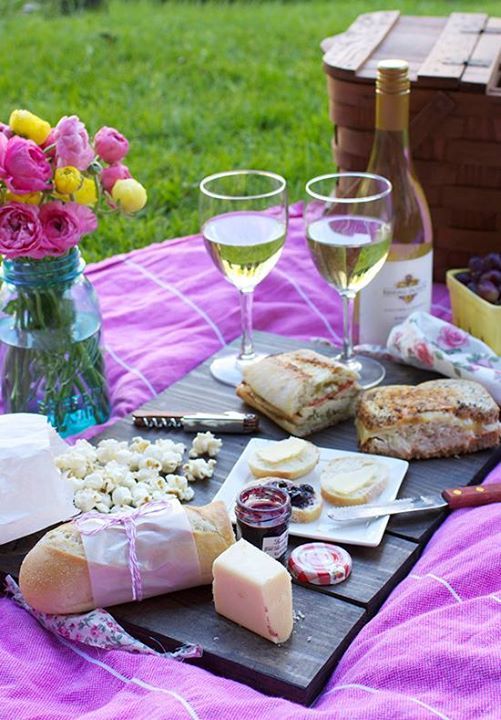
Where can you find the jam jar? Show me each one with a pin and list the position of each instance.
(263, 514)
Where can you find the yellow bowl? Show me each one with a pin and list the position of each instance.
(474, 314)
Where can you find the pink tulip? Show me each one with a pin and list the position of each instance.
(61, 227)
(86, 218)
(20, 231)
(111, 174)
(25, 167)
(110, 145)
(72, 143)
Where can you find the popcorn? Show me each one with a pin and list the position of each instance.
(178, 485)
(199, 469)
(95, 481)
(205, 444)
(171, 461)
(86, 499)
(107, 450)
(119, 476)
(121, 496)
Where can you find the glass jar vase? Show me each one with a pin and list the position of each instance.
(51, 362)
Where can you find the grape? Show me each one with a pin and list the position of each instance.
(493, 276)
(488, 291)
(472, 286)
(463, 277)
(476, 265)
(492, 261)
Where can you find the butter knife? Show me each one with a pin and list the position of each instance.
(452, 498)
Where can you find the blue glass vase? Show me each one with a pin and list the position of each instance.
(51, 361)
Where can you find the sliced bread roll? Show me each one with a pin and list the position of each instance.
(291, 458)
(352, 481)
(54, 576)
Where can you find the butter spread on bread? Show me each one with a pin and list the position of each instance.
(291, 458)
(437, 418)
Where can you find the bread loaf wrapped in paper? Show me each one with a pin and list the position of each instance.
(101, 560)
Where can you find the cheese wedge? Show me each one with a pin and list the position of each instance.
(254, 590)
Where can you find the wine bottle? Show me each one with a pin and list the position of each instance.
(404, 284)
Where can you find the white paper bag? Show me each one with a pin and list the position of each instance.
(33, 492)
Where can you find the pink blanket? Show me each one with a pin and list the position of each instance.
(433, 651)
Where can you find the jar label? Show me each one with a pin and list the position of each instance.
(399, 289)
(276, 546)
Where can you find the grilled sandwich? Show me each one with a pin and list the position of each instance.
(438, 418)
(302, 391)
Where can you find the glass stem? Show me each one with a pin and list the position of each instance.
(348, 299)
(246, 346)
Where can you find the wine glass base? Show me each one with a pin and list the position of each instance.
(371, 372)
(228, 368)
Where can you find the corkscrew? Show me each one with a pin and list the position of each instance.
(227, 422)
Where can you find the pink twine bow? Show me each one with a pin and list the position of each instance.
(128, 520)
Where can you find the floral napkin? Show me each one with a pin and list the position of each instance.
(427, 342)
(96, 628)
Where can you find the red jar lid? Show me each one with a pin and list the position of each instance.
(320, 563)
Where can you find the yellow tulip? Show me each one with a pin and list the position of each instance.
(87, 194)
(68, 180)
(24, 123)
(129, 194)
(30, 198)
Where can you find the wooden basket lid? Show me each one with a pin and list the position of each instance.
(460, 52)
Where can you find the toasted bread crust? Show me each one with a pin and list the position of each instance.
(393, 405)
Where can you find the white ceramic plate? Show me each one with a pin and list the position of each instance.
(357, 532)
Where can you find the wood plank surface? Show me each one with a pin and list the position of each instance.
(327, 618)
(484, 61)
(349, 50)
(446, 62)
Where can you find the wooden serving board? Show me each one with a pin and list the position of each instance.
(330, 616)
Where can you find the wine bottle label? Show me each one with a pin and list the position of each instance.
(399, 289)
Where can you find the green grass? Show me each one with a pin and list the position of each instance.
(196, 87)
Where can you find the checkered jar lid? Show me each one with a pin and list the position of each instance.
(320, 563)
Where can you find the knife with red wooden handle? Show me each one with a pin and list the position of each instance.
(453, 498)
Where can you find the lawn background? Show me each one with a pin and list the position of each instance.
(196, 87)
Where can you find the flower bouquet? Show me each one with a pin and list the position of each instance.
(53, 182)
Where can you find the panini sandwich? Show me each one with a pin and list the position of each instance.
(438, 418)
(302, 391)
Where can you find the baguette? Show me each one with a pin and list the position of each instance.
(54, 576)
(302, 459)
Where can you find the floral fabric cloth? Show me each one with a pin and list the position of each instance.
(433, 344)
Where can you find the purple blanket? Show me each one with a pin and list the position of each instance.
(433, 651)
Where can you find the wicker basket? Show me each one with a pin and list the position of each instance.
(455, 67)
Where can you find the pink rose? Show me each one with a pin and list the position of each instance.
(61, 227)
(111, 174)
(110, 145)
(72, 143)
(451, 337)
(25, 167)
(86, 218)
(423, 354)
(5, 130)
(20, 231)
(3, 147)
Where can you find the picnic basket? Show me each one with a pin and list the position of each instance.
(455, 116)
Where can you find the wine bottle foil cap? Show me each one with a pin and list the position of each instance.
(319, 563)
(393, 77)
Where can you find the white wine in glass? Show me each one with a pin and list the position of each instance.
(349, 232)
(243, 215)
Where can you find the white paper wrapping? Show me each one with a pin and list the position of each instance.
(164, 552)
(33, 492)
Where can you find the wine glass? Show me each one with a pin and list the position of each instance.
(349, 231)
(243, 215)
